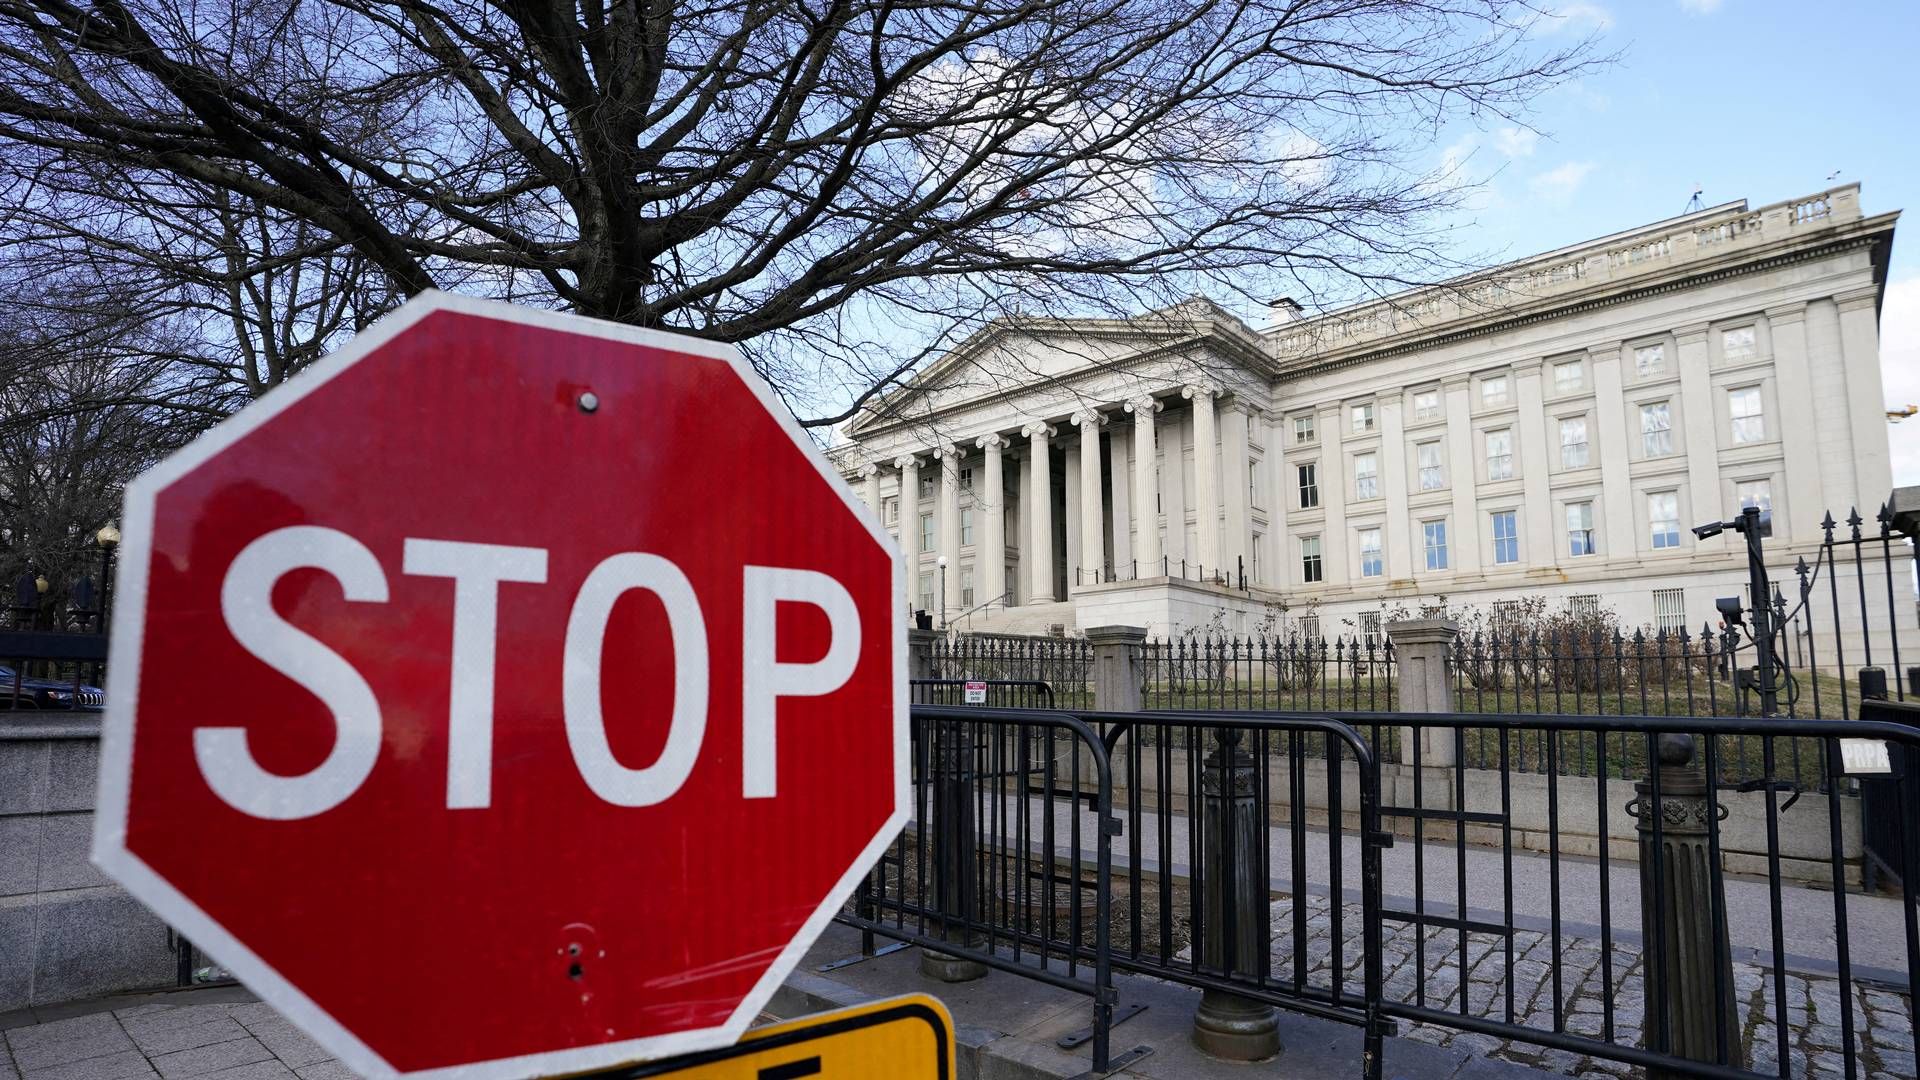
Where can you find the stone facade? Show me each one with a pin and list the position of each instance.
(1552, 427)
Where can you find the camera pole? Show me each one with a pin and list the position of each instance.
(1761, 604)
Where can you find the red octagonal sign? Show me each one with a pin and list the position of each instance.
(511, 694)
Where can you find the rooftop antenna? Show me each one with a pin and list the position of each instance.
(1694, 203)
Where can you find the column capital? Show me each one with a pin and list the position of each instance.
(1084, 417)
(1242, 405)
(1855, 299)
(1459, 381)
(1610, 351)
(1530, 366)
(1193, 391)
(907, 461)
(1781, 313)
(991, 441)
(1038, 428)
(1690, 332)
(870, 470)
(1144, 406)
(946, 450)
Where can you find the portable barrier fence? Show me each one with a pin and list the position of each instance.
(1064, 664)
(1633, 916)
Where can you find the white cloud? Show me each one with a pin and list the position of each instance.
(1559, 184)
(1700, 7)
(1900, 373)
(1516, 142)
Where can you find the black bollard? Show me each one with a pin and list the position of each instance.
(1234, 905)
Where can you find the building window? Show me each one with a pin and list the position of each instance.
(1573, 442)
(1507, 615)
(1500, 454)
(1738, 343)
(1366, 482)
(1506, 538)
(1432, 476)
(1310, 568)
(1493, 391)
(1259, 541)
(926, 590)
(1310, 628)
(1370, 629)
(1650, 360)
(1569, 378)
(966, 588)
(892, 505)
(1670, 610)
(927, 478)
(1663, 510)
(1656, 429)
(1370, 561)
(966, 527)
(1580, 528)
(1744, 406)
(1309, 485)
(1754, 493)
(926, 532)
(1253, 484)
(1011, 579)
(1426, 405)
(1303, 429)
(1362, 418)
(1585, 606)
(1434, 534)
(966, 478)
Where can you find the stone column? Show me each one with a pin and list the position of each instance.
(1833, 415)
(1236, 538)
(1235, 914)
(1420, 652)
(1093, 547)
(1145, 493)
(1401, 541)
(947, 533)
(1680, 892)
(870, 491)
(991, 495)
(1279, 475)
(1463, 474)
(1116, 667)
(1535, 461)
(1336, 488)
(1700, 431)
(1070, 507)
(1860, 353)
(1176, 496)
(909, 466)
(1206, 476)
(1805, 497)
(1612, 424)
(1038, 511)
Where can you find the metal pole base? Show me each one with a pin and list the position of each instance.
(1235, 1028)
(953, 969)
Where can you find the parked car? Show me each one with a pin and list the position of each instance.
(32, 693)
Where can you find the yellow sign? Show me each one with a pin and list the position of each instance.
(903, 1038)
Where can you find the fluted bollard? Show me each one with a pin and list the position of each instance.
(953, 851)
(1691, 985)
(1235, 937)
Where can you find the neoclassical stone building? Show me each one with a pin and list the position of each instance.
(1552, 427)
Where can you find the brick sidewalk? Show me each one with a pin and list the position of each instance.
(171, 1036)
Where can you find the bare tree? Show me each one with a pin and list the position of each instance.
(832, 184)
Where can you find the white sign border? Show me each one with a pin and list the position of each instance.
(110, 852)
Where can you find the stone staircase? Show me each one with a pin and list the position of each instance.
(1036, 619)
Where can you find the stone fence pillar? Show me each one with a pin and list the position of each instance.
(920, 653)
(1420, 652)
(1116, 667)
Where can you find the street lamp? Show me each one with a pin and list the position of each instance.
(108, 538)
(941, 562)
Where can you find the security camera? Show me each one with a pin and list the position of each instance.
(1711, 528)
(1730, 609)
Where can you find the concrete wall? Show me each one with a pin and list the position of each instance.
(66, 932)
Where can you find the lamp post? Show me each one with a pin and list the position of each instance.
(109, 539)
(941, 562)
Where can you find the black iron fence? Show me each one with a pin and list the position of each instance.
(1638, 914)
(1063, 664)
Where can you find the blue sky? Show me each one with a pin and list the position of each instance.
(1761, 99)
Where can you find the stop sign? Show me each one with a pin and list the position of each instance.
(510, 694)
